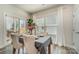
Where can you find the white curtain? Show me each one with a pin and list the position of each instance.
(60, 35)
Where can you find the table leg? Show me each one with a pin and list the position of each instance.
(49, 49)
(14, 50)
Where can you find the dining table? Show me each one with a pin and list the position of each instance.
(42, 42)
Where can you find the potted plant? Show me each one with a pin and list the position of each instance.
(30, 25)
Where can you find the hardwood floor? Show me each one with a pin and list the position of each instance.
(59, 50)
(55, 49)
(63, 50)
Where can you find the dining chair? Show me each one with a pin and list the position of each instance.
(15, 42)
(29, 42)
(45, 34)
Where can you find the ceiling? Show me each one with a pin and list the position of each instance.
(32, 8)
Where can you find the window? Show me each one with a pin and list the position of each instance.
(47, 24)
(9, 22)
(22, 25)
(40, 23)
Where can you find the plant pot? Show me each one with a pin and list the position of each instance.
(30, 27)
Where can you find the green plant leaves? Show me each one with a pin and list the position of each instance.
(30, 21)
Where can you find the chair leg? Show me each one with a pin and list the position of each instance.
(14, 50)
(23, 50)
(18, 51)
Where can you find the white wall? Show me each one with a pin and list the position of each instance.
(76, 26)
(11, 10)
